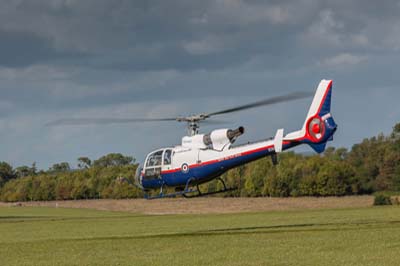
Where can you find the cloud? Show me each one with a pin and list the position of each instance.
(202, 47)
(343, 60)
(188, 36)
(21, 49)
(71, 58)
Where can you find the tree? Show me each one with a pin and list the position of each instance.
(6, 172)
(336, 154)
(329, 152)
(113, 159)
(24, 170)
(60, 167)
(84, 162)
(283, 179)
(396, 130)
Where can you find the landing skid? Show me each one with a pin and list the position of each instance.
(168, 195)
(198, 192)
(190, 192)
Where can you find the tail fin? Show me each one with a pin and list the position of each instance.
(319, 125)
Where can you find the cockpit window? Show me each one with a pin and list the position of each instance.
(167, 157)
(154, 159)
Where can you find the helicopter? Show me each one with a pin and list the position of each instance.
(201, 158)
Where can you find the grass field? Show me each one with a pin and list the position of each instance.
(58, 236)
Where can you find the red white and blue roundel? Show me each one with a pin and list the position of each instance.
(316, 128)
(185, 168)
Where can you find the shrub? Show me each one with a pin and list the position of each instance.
(396, 200)
(382, 200)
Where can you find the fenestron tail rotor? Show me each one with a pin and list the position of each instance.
(192, 121)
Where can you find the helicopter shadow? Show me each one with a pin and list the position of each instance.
(264, 230)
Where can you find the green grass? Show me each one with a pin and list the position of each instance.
(46, 236)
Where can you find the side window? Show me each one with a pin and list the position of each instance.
(154, 159)
(167, 157)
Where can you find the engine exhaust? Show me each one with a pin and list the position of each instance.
(234, 133)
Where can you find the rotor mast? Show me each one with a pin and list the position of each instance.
(193, 122)
(193, 128)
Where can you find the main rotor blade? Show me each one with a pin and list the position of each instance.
(201, 117)
(214, 122)
(279, 99)
(103, 121)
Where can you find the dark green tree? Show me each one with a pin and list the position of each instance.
(84, 162)
(113, 159)
(24, 170)
(6, 172)
(60, 167)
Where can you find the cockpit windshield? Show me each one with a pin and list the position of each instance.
(167, 157)
(154, 159)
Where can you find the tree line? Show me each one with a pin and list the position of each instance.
(98, 179)
(370, 166)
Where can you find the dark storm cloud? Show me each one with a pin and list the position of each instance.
(95, 43)
(190, 35)
(155, 35)
(26, 49)
(22, 49)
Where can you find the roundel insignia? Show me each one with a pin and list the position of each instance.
(185, 168)
(316, 128)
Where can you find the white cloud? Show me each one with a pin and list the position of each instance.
(241, 12)
(343, 60)
(325, 30)
(208, 45)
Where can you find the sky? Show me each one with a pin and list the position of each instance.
(157, 58)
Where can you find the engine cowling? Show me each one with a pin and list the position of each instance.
(218, 139)
(222, 138)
